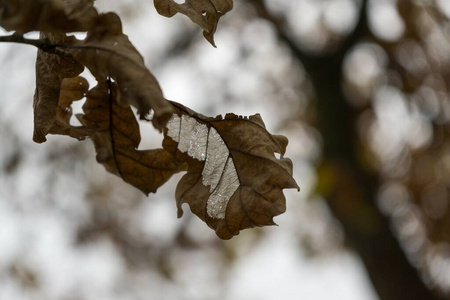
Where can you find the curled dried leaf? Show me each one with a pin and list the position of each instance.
(234, 181)
(51, 69)
(107, 52)
(47, 15)
(72, 89)
(205, 13)
(115, 133)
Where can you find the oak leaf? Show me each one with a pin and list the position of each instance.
(51, 69)
(47, 15)
(205, 13)
(234, 181)
(107, 52)
(115, 133)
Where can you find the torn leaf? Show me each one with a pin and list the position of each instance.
(234, 181)
(115, 133)
(205, 13)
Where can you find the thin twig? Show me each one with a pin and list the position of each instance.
(42, 44)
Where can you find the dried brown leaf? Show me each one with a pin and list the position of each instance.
(107, 52)
(234, 181)
(72, 89)
(205, 13)
(51, 69)
(47, 15)
(115, 133)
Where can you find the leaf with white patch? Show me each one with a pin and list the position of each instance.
(234, 181)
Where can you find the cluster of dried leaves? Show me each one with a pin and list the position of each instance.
(233, 180)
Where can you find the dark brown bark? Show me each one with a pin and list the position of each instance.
(352, 194)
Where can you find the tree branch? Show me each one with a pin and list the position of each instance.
(278, 23)
(309, 59)
(360, 30)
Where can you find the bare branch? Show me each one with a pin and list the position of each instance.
(278, 22)
(308, 58)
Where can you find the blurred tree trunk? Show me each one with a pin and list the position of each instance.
(350, 189)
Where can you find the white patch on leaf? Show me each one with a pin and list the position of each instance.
(173, 128)
(228, 184)
(206, 144)
(190, 135)
(216, 157)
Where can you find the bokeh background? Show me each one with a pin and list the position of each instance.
(360, 88)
